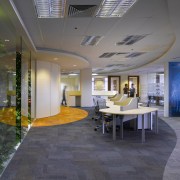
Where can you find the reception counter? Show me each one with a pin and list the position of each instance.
(73, 98)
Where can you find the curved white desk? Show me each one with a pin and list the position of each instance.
(115, 110)
(104, 93)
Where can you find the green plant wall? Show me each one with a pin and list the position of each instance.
(18, 96)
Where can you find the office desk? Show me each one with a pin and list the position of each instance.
(104, 94)
(115, 110)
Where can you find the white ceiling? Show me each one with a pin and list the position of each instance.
(59, 40)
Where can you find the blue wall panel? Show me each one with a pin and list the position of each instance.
(174, 89)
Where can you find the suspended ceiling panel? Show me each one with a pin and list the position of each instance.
(145, 17)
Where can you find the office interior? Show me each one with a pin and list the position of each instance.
(93, 48)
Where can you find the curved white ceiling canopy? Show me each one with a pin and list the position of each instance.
(66, 60)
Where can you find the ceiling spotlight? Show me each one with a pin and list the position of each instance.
(94, 74)
(6, 40)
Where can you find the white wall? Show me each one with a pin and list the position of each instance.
(33, 90)
(143, 87)
(86, 87)
(47, 89)
(72, 83)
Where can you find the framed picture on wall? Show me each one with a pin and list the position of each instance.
(114, 83)
(99, 84)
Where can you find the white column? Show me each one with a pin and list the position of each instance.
(47, 89)
(24, 88)
(166, 90)
(86, 87)
(55, 89)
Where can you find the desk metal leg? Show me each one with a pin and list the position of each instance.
(149, 120)
(156, 122)
(143, 131)
(135, 124)
(103, 123)
(121, 126)
(114, 127)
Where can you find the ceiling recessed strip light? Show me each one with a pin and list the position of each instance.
(114, 8)
(50, 8)
(91, 40)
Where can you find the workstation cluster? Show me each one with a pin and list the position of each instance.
(122, 109)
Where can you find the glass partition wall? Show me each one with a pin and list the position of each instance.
(156, 88)
(25, 113)
(7, 89)
(7, 99)
(16, 97)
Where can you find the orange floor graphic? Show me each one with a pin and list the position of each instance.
(8, 116)
(67, 115)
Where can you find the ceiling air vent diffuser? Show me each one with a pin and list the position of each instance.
(107, 55)
(129, 40)
(50, 8)
(114, 8)
(81, 10)
(91, 40)
(134, 54)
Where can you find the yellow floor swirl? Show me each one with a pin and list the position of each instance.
(67, 115)
(8, 116)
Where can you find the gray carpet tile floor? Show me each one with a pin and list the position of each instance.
(76, 152)
(172, 169)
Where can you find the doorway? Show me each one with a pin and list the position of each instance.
(134, 80)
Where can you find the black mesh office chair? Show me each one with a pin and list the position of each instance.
(101, 104)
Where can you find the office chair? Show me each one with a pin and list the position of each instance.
(101, 104)
(96, 115)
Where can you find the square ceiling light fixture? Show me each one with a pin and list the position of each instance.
(114, 8)
(50, 8)
(91, 40)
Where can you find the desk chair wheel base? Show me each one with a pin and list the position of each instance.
(97, 127)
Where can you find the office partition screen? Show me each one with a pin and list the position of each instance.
(174, 90)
